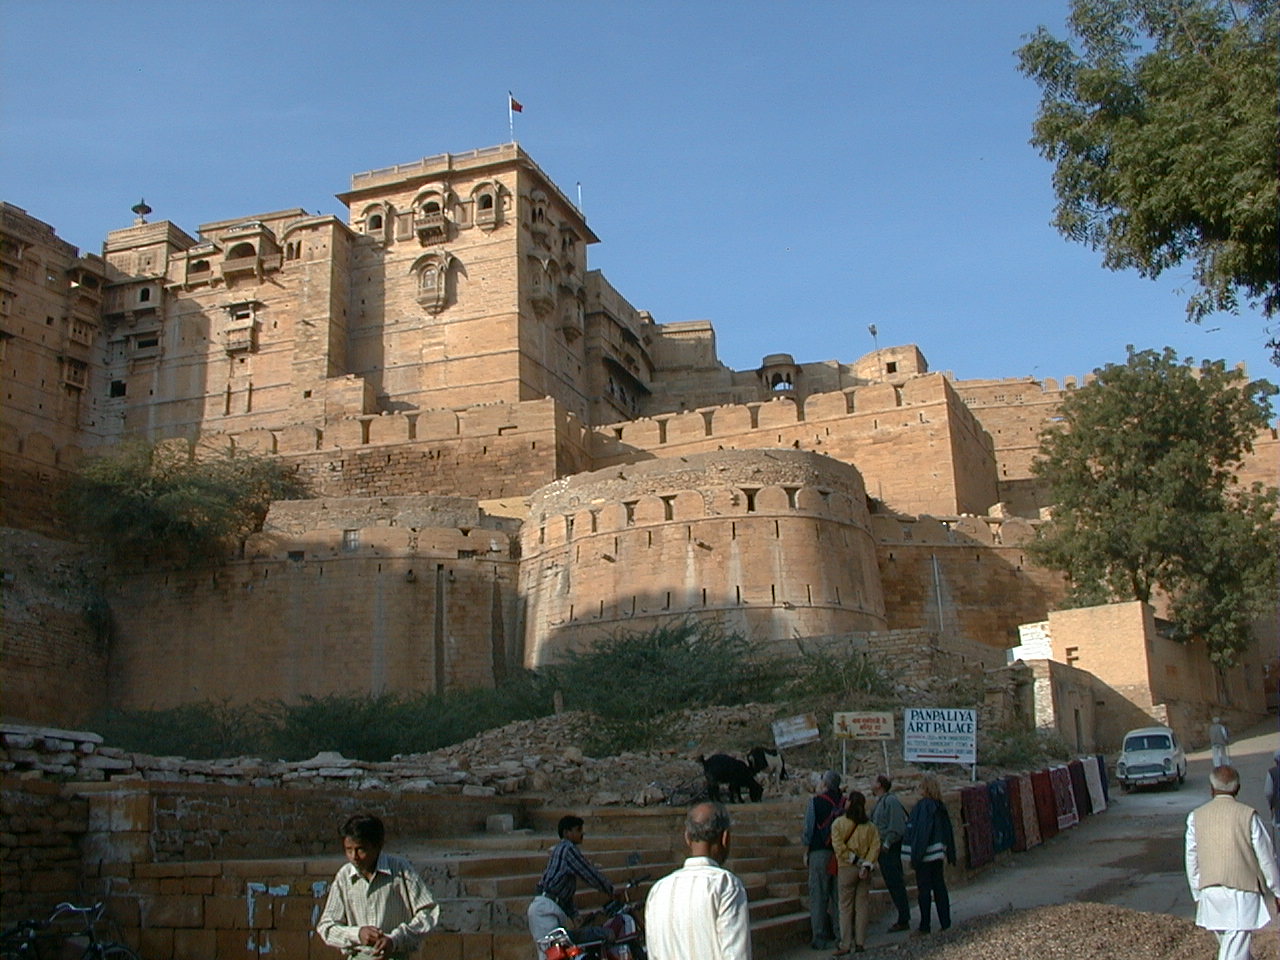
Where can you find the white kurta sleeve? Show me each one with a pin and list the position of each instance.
(1192, 863)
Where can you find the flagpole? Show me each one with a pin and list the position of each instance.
(511, 117)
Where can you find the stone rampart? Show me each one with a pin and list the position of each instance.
(967, 577)
(774, 543)
(886, 430)
(380, 609)
(54, 645)
(486, 452)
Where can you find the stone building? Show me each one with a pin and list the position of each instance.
(509, 458)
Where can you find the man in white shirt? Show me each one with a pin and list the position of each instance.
(1231, 865)
(700, 911)
(378, 907)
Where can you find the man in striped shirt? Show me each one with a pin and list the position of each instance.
(378, 906)
(553, 906)
(700, 911)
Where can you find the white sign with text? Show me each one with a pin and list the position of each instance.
(939, 735)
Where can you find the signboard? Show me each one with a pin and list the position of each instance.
(794, 731)
(863, 726)
(939, 735)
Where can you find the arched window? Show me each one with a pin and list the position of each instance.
(241, 250)
(485, 201)
(375, 222)
(144, 294)
(200, 266)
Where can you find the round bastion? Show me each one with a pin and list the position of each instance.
(775, 544)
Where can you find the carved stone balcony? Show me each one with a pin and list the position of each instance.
(431, 227)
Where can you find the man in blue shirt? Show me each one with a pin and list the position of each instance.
(553, 906)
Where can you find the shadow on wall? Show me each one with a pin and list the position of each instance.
(757, 616)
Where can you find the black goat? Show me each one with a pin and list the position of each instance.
(724, 770)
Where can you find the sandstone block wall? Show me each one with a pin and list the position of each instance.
(377, 610)
(773, 543)
(966, 577)
(916, 446)
(54, 646)
(40, 833)
(485, 452)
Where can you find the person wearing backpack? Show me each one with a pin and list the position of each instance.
(824, 807)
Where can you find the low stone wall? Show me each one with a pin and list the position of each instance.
(40, 831)
(41, 752)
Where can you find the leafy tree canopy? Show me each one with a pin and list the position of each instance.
(158, 500)
(1161, 118)
(1142, 468)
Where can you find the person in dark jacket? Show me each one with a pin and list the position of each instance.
(928, 841)
(890, 818)
(822, 811)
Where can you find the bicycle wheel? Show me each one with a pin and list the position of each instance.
(109, 951)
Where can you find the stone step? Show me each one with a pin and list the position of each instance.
(777, 934)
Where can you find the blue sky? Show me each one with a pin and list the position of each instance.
(790, 171)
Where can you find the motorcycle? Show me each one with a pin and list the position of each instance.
(622, 919)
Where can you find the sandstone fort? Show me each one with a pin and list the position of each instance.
(508, 460)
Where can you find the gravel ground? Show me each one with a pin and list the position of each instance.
(1073, 931)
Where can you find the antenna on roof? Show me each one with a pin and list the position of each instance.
(140, 210)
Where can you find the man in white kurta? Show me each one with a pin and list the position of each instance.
(1231, 866)
(700, 911)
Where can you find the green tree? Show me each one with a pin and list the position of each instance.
(1142, 469)
(1161, 120)
(158, 500)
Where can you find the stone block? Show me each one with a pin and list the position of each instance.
(157, 944)
(173, 911)
(194, 943)
(499, 823)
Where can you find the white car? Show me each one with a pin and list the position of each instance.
(1151, 755)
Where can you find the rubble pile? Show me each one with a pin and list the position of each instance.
(542, 756)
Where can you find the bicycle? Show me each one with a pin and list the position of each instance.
(22, 940)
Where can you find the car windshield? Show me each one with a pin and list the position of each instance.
(1147, 741)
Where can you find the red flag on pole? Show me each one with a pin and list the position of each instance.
(516, 105)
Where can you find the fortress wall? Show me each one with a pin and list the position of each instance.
(888, 431)
(29, 485)
(1014, 412)
(401, 611)
(986, 582)
(775, 544)
(53, 659)
(484, 452)
(1263, 465)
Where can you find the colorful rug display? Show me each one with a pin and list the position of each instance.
(1030, 823)
(1079, 788)
(1001, 815)
(1093, 779)
(1046, 807)
(975, 810)
(1064, 797)
(1102, 772)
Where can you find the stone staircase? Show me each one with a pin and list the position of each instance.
(485, 884)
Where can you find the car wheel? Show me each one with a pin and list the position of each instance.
(1182, 776)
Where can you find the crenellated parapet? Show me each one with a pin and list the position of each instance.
(774, 543)
(885, 429)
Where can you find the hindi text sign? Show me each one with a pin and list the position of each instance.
(864, 725)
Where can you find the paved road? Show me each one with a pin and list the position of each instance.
(1129, 856)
